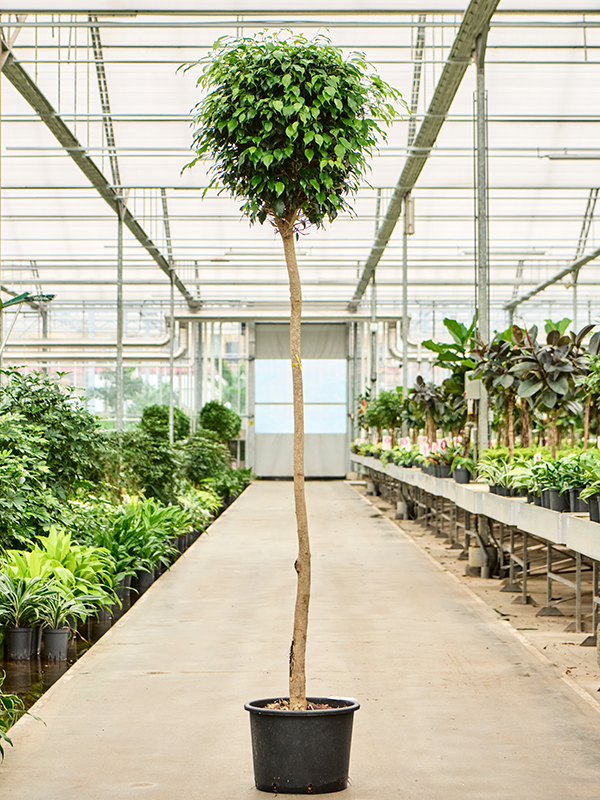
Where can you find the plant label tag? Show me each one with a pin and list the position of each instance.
(537, 457)
(404, 443)
(386, 443)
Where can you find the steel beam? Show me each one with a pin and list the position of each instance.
(477, 18)
(30, 92)
(574, 267)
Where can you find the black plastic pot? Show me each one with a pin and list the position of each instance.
(444, 471)
(56, 643)
(576, 504)
(537, 500)
(301, 752)
(18, 644)
(594, 507)
(145, 579)
(558, 502)
(502, 491)
(461, 475)
(123, 592)
(545, 498)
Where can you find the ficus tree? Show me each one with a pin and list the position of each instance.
(548, 372)
(290, 123)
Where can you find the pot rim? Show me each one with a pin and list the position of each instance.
(257, 707)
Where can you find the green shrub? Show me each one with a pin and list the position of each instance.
(204, 456)
(222, 420)
(150, 465)
(155, 421)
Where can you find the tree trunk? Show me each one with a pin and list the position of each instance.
(586, 422)
(302, 565)
(573, 435)
(510, 400)
(554, 432)
(525, 429)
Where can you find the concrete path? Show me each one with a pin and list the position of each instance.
(453, 705)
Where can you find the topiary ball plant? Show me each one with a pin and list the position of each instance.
(289, 124)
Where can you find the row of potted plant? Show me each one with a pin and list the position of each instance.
(47, 590)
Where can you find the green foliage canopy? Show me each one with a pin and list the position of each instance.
(220, 419)
(274, 121)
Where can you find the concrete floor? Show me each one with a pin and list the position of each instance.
(454, 706)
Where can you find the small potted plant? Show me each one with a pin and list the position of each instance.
(56, 611)
(463, 468)
(21, 600)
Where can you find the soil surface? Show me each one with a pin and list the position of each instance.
(284, 705)
(552, 637)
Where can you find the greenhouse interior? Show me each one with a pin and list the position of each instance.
(268, 270)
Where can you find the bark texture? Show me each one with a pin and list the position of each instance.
(510, 425)
(298, 648)
(525, 428)
(554, 432)
(586, 422)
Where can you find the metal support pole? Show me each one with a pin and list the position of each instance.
(374, 327)
(549, 573)
(594, 597)
(172, 359)
(119, 401)
(578, 609)
(525, 567)
(483, 298)
(574, 324)
(199, 376)
(405, 308)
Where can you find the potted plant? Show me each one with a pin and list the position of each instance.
(463, 468)
(289, 123)
(20, 602)
(56, 611)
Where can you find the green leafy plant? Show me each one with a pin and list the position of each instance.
(200, 505)
(21, 600)
(290, 123)
(57, 607)
(429, 399)
(73, 568)
(204, 456)
(70, 439)
(155, 422)
(220, 419)
(463, 462)
(547, 371)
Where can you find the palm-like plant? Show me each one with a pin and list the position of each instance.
(21, 600)
(57, 607)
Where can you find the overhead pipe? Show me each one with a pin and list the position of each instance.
(107, 355)
(83, 343)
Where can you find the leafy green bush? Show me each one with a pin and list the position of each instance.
(27, 505)
(155, 421)
(73, 568)
(69, 442)
(204, 456)
(150, 464)
(230, 482)
(200, 505)
(222, 420)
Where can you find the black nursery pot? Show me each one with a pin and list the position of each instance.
(594, 508)
(56, 643)
(537, 500)
(558, 502)
(444, 470)
(545, 498)
(578, 505)
(462, 475)
(301, 752)
(18, 643)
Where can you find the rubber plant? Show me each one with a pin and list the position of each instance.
(290, 123)
(495, 368)
(548, 371)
